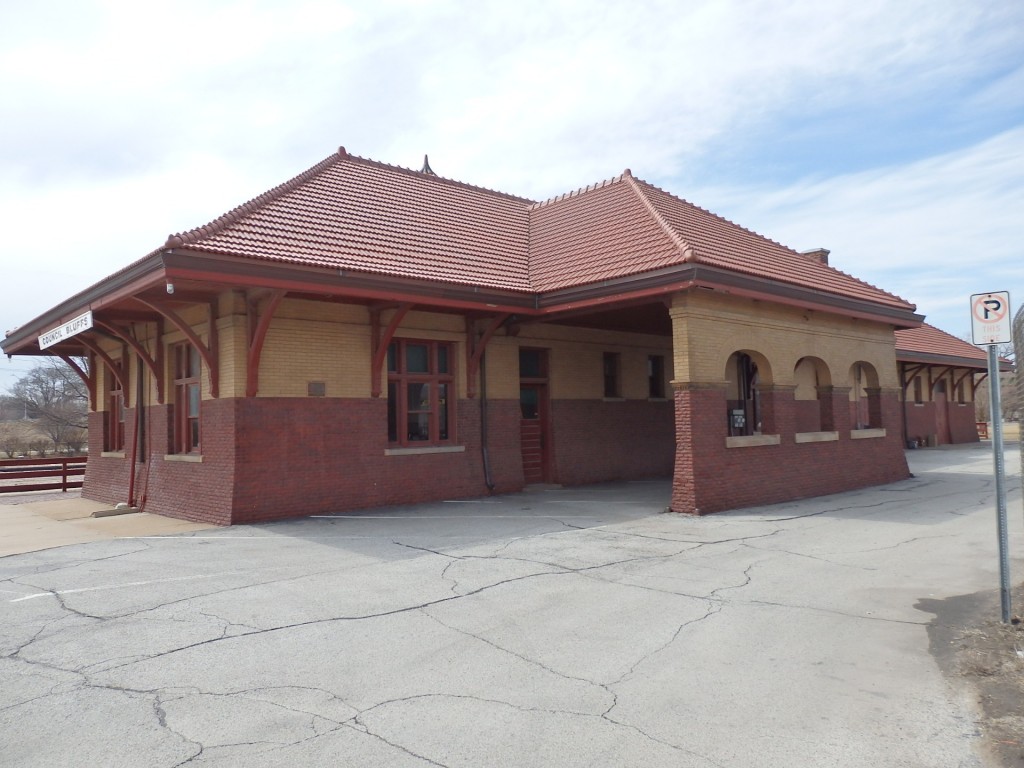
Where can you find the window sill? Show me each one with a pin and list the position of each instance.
(112, 455)
(195, 458)
(816, 437)
(751, 441)
(613, 399)
(657, 400)
(424, 450)
(919, 405)
(863, 434)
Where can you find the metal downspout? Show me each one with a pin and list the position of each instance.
(137, 437)
(903, 402)
(482, 373)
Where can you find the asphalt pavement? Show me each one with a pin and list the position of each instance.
(564, 627)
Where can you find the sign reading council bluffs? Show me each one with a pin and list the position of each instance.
(70, 328)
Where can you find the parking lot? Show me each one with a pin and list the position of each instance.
(568, 627)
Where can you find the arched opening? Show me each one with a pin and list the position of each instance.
(865, 397)
(744, 372)
(813, 395)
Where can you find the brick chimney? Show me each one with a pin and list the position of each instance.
(818, 254)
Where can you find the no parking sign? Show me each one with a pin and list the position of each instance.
(990, 325)
(990, 318)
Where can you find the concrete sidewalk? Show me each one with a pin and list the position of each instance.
(31, 526)
(555, 629)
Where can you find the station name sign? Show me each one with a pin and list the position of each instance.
(56, 335)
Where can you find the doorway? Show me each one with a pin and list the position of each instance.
(534, 416)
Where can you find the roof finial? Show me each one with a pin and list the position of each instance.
(426, 167)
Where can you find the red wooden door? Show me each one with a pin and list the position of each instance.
(942, 417)
(533, 432)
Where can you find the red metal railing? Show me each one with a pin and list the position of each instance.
(65, 471)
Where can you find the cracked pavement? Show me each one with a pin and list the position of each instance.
(569, 627)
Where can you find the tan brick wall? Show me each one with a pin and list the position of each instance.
(330, 343)
(709, 327)
(575, 358)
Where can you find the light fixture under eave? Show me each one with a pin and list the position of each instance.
(170, 289)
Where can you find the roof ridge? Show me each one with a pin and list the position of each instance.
(718, 216)
(774, 242)
(579, 191)
(436, 177)
(176, 240)
(687, 251)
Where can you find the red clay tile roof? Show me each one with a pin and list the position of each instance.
(626, 226)
(350, 213)
(598, 233)
(929, 340)
(355, 214)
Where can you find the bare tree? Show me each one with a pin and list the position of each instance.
(15, 437)
(1009, 396)
(10, 408)
(54, 395)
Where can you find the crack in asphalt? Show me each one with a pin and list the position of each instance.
(544, 710)
(320, 725)
(811, 557)
(834, 612)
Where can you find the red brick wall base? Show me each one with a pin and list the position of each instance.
(710, 477)
(922, 423)
(597, 441)
(271, 458)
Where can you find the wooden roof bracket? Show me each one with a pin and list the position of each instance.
(116, 370)
(90, 384)
(933, 381)
(379, 343)
(152, 363)
(475, 348)
(963, 377)
(976, 383)
(908, 372)
(208, 353)
(257, 335)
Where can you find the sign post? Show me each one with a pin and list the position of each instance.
(990, 325)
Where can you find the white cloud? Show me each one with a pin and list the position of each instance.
(933, 231)
(123, 121)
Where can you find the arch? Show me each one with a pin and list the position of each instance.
(865, 396)
(746, 371)
(811, 373)
(813, 395)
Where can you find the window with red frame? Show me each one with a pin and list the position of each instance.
(114, 432)
(186, 398)
(420, 383)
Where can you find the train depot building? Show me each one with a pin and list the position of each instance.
(367, 335)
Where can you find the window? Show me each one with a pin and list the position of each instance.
(186, 398)
(655, 376)
(114, 433)
(420, 382)
(611, 375)
(918, 390)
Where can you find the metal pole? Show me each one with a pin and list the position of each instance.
(997, 450)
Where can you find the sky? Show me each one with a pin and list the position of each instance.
(891, 133)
